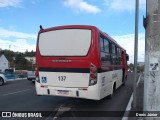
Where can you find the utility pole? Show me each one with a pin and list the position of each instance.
(9, 47)
(152, 57)
(135, 55)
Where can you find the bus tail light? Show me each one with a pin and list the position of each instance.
(93, 75)
(36, 74)
(93, 70)
(36, 69)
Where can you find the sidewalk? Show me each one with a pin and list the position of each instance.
(139, 101)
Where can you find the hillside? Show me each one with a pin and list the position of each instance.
(17, 59)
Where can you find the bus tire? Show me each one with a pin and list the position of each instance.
(33, 82)
(124, 81)
(1, 81)
(113, 90)
(123, 77)
(110, 96)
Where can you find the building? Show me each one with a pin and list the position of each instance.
(4, 64)
(31, 59)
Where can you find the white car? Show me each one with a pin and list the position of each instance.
(2, 79)
(31, 76)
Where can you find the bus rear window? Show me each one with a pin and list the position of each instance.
(65, 42)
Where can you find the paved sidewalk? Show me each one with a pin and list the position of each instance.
(139, 100)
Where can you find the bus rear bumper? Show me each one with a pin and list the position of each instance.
(86, 93)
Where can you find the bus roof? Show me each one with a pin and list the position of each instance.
(81, 26)
(68, 26)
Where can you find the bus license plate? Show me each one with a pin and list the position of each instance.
(62, 92)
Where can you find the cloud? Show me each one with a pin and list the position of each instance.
(20, 42)
(124, 5)
(7, 33)
(17, 40)
(127, 42)
(19, 45)
(10, 3)
(81, 6)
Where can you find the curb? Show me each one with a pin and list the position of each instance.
(9, 80)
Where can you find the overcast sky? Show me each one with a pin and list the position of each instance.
(20, 20)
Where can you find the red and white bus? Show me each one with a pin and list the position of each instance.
(79, 61)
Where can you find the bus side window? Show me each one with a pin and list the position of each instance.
(105, 55)
(106, 45)
(101, 44)
(116, 54)
(119, 56)
(113, 54)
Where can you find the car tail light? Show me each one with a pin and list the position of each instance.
(93, 75)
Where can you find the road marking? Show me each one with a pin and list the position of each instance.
(66, 106)
(139, 79)
(15, 92)
(60, 111)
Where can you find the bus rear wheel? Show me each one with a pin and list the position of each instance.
(124, 81)
(113, 90)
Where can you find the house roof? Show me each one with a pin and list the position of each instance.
(3, 56)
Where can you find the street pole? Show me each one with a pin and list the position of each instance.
(135, 54)
(152, 57)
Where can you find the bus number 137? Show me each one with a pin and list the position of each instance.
(62, 78)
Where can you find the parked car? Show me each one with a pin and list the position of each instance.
(31, 76)
(9, 76)
(21, 76)
(2, 79)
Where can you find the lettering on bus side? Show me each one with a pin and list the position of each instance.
(114, 76)
(103, 81)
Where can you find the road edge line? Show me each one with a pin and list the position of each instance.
(11, 93)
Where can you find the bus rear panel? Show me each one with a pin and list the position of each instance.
(64, 58)
(69, 63)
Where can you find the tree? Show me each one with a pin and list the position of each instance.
(131, 66)
(20, 61)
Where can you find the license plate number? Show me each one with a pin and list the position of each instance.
(62, 92)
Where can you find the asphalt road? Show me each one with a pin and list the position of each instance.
(21, 96)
